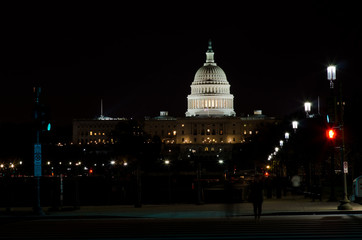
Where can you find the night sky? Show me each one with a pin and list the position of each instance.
(141, 59)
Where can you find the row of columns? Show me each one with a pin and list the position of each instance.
(210, 103)
(211, 90)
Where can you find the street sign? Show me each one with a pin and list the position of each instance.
(37, 160)
(345, 167)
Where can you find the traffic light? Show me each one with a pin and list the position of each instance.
(331, 133)
(41, 112)
(42, 117)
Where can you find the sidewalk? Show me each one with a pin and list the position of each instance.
(296, 205)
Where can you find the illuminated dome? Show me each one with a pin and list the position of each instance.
(210, 73)
(210, 91)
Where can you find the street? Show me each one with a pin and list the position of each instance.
(337, 226)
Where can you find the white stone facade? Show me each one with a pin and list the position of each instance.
(210, 91)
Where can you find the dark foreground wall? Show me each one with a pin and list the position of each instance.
(101, 190)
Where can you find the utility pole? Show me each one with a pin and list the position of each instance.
(37, 150)
(344, 203)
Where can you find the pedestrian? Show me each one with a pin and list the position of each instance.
(257, 196)
(296, 184)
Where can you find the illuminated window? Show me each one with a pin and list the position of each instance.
(206, 149)
(91, 133)
(174, 133)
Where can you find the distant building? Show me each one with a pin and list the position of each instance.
(209, 128)
(94, 131)
(210, 91)
(206, 135)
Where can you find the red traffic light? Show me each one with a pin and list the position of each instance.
(331, 133)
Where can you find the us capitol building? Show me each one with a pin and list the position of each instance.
(210, 127)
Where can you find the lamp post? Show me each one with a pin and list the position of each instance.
(344, 203)
(167, 163)
(338, 122)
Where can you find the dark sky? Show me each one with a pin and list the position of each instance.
(141, 59)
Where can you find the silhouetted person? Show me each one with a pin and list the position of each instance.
(257, 196)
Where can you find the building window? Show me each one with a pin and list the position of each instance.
(195, 139)
(206, 149)
(221, 132)
(195, 131)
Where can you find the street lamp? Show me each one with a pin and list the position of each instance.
(331, 75)
(307, 108)
(286, 136)
(295, 125)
